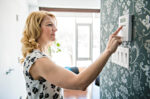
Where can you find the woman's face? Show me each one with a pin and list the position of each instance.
(48, 27)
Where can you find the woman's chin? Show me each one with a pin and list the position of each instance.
(53, 39)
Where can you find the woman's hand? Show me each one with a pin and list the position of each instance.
(114, 41)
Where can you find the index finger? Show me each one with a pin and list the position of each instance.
(116, 32)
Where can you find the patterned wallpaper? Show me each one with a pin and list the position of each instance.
(117, 82)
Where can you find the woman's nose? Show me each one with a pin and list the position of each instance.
(55, 28)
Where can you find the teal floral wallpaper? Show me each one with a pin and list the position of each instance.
(117, 82)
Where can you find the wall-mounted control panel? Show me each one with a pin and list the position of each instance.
(121, 57)
(126, 32)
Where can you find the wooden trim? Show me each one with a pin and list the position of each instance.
(70, 10)
(74, 93)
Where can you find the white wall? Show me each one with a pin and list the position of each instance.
(92, 4)
(12, 86)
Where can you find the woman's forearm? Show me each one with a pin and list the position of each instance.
(89, 74)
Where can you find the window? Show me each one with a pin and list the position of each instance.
(84, 45)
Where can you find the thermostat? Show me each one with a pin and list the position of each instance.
(126, 31)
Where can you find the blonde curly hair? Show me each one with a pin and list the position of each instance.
(32, 32)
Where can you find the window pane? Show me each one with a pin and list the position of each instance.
(83, 41)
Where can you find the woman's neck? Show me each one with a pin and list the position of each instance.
(42, 46)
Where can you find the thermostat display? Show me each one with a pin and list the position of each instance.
(126, 32)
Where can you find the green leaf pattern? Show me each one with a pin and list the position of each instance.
(117, 82)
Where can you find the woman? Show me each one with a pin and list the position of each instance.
(44, 79)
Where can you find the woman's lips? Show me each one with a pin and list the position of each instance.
(53, 34)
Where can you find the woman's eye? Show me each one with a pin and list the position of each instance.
(50, 24)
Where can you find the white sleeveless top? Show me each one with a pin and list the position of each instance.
(39, 89)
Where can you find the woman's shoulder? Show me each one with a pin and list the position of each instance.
(35, 54)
